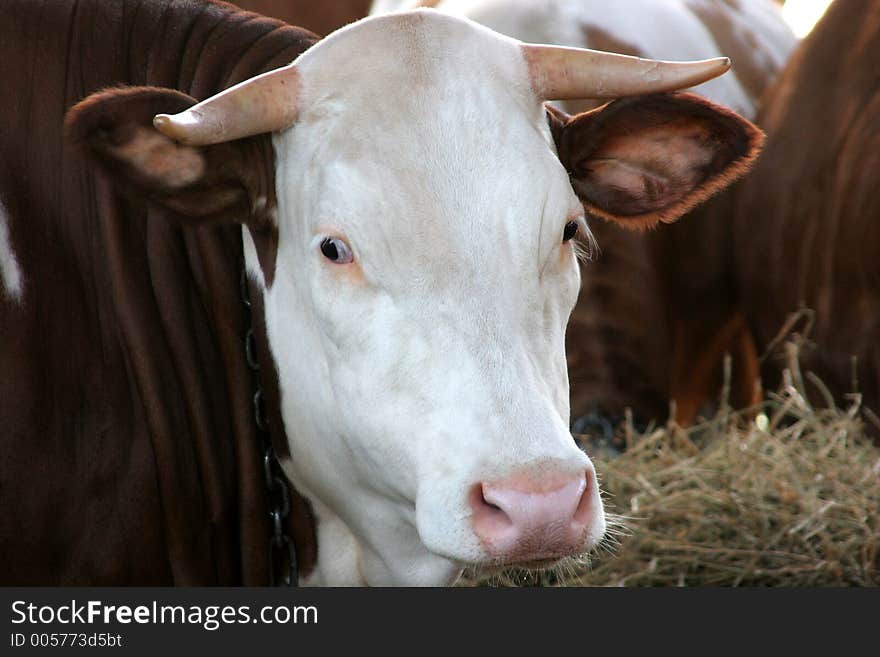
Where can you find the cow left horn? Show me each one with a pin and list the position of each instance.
(559, 73)
(265, 103)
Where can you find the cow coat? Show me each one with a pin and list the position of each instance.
(129, 449)
(817, 246)
(319, 16)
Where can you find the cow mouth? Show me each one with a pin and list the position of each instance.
(537, 565)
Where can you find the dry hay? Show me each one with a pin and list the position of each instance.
(782, 495)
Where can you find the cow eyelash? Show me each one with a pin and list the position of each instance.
(336, 250)
(571, 229)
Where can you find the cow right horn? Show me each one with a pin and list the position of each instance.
(265, 103)
(559, 73)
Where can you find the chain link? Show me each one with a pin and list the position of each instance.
(250, 351)
(282, 551)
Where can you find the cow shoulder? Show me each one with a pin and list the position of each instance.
(645, 160)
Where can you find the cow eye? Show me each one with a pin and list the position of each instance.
(571, 229)
(336, 250)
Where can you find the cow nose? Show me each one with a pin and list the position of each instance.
(525, 518)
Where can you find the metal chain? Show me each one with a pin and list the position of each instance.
(282, 551)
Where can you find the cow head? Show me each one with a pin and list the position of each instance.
(413, 239)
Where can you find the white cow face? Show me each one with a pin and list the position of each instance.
(420, 268)
(423, 285)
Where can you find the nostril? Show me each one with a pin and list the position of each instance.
(488, 515)
(583, 514)
(487, 502)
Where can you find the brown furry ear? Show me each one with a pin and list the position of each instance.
(114, 128)
(645, 160)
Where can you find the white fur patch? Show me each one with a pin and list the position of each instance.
(252, 262)
(10, 271)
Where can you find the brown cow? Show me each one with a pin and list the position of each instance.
(806, 229)
(129, 450)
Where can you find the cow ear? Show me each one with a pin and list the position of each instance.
(114, 129)
(644, 160)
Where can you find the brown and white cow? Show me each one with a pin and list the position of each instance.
(817, 243)
(404, 206)
(654, 322)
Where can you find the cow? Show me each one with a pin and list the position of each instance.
(751, 32)
(654, 322)
(817, 247)
(316, 15)
(404, 207)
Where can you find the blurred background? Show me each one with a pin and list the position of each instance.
(324, 17)
(801, 15)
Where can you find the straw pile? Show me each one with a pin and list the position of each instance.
(782, 495)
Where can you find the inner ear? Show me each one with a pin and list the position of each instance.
(640, 161)
(148, 154)
(114, 129)
(632, 176)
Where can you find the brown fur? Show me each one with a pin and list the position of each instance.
(699, 353)
(806, 229)
(319, 16)
(130, 448)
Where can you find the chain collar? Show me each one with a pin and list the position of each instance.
(282, 551)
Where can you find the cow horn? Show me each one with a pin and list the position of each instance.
(265, 103)
(559, 73)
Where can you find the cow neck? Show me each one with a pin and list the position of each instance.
(293, 546)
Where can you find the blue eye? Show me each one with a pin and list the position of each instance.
(336, 250)
(571, 229)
